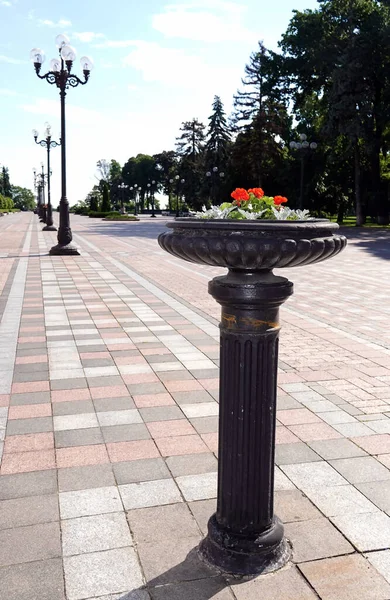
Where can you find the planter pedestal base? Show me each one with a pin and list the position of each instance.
(67, 250)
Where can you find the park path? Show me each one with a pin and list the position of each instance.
(108, 421)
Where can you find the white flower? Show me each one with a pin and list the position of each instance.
(302, 215)
(252, 216)
(215, 212)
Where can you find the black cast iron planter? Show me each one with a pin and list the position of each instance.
(244, 536)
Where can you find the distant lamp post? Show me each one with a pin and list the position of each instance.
(151, 189)
(178, 193)
(136, 188)
(122, 186)
(37, 189)
(60, 75)
(302, 148)
(214, 176)
(48, 143)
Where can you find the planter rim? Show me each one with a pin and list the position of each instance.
(260, 224)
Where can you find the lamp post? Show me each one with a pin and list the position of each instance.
(151, 187)
(178, 194)
(302, 148)
(37, 191)
(122, 186)
(60, 75)
(135, 187)
(49, 143)
(41, 178)
(214, 176)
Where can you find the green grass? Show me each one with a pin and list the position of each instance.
(351, 222)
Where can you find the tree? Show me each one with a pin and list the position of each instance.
(139, 170)
(261, 112)
(106, 204)
(23, 198)
(103, 167)
(190, 147)
(218, 136)
(166, 166)
(5, 183)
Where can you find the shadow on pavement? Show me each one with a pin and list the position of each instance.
(375, 241)
(138, 230)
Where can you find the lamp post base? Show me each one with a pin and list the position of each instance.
(245, 554)
(49, 228)
(66, 250)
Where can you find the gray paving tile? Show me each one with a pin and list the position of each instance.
(192, 397)
(161, 413)
(339, 500)
(146, 388)
(378, 492)
(20, 512)
(30, 398)
(202, 511)
(381, 562)
(78, 437)
(287, 584)
(337, 448)
(25, 544)
(22, 426)
(371, 531)
(316, 539)
(95, 534)
(119, 417)
(192, 464)
(198, 487)
(104, 381)
(125, 433)
(205, 424)
(79, 421)
(68, 384)
(73, 408)
(361, 469)
(149, 493)
(102, 573)
(203, 589)
(292, 505)
(159, 523)
(135, 471)
(89, 502)
(83, 478)
(42, 580)
(314, 474)
(286, 454)
(108, 404)
(28, 484)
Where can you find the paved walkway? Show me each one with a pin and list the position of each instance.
(108, 412)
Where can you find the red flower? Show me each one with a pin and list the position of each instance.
(278, 200)
(257, 192)
(240, 195)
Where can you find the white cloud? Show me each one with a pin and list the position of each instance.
(11, 61)
(88, 36)
(205, 21)
(115, 44)
(5, 3)
(48, 23)
(9, 93)
(176, 68)
(75, 114)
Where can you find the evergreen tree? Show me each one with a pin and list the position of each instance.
(191, 141)
(6, 188)
(218, 136)
(106, 204)
(260, 112)
(190, 147)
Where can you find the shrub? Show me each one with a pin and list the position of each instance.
(106, 204)
(101, 215)
(113, 217)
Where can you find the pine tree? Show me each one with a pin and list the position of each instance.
(218, 136)
(190, 148)
(191, 141)
(260, 111)
(6, 187)
(106, 204)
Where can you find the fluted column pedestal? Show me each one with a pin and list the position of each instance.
(244, 535)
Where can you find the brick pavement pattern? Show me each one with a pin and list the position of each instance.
(109, 419)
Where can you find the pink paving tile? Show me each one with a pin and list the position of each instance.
(140, 378)
(296, 416)
(4, 400)
(114, 391)
(147, 400)
(126, 346)
(70, 395)
(285, 436)
(124, 451)
(29, 443)
(182, 444)
(130, 360)
(211, 441)
(29, 411)
(30, 339)
(87, 355)
(384, 459)
(188, 385)
(315, 431)
(32, 329)
(160, 429)
(374, 444)
(23, 462)
(81, 456)
(155, 351)
(27, 360)
(289, 378)
(31, 386)
(209, 384)
(314, 376)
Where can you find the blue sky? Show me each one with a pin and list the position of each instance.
(157, 63)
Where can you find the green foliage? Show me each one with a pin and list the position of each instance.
(119, 217)
(102, 214)
(106, 204)
(23, 198)
(5, 185)
(6, 203)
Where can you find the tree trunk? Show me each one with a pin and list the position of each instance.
(340, 212)
(360, 217)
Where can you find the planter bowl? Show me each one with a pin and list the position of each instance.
(252, 245)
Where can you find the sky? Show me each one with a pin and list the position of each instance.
(157, 63)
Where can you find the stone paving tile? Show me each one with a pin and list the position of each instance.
(315, 539)
(203, 589)
(381, 562)
(88, 502)
(83, 478)
(371, 531)
(162, 522)
(26, 544)
(95, 534)
(287, 584)
(28, 484)
(136, 471)
(378, 492)
(361, 469)
(42, 580)
(20, 512)
(346, 577)
(149, 493)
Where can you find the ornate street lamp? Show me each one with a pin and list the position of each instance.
(151, 189)
(37, 192)
(122, 186)
(135, 198)
(302, 147)
(49, 143)
(214, 176)
(39, 183)
(60, 75)
(178, 194)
